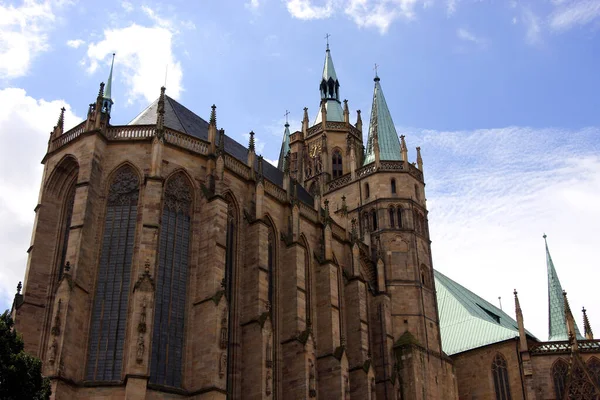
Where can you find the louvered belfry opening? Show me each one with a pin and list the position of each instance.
(500, 373)
(173, 255)
(109, 313)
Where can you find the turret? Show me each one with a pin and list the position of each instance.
(329, 89)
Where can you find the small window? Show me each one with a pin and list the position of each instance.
(417, 195)
(393, 186)
(399, 217)
(500, 373)
(367, 192)
(392, 212)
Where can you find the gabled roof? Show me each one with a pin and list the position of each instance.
(557, 320)
(179, 118)
(382, 126)
(467, 321)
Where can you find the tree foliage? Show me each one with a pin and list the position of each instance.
(20, 373)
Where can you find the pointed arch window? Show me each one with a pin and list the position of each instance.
(559, 377)
(336, 164)
(171, 277)
(374, 221)
(229, 288)
(393, 185)
(500, 374)
(109, 311)
(593, 366)
(68, 215)
(400, 219)
(392, 211)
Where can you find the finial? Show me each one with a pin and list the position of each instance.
(213, 115)
(101, 91)
(587, 328)
(251, 142)
(544, 236)
(327, 39)
(376, 79)
(221, 139)
(19, 287)
(286, 118)
(61, 118)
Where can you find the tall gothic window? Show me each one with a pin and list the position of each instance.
(593, 366)
(559, 376)
(500, 373)
(109, 312)
(392, 211)
(336, 164)
(68, 215)
(169, 311)
(229, 290)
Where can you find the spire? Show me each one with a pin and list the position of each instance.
(330, 91)
(382, 126)
(587, 328)
(61, 119)
(108, 88)
(107, 101)
(557, 319)
(285, 146)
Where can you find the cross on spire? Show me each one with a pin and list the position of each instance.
(327, 35)
(286, 116)
(375, 68)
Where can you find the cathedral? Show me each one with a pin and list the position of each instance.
(169, 261)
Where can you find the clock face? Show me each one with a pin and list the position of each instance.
(315, 149)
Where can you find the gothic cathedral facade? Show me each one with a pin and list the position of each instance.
(169, 261)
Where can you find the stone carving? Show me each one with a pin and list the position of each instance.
(141, 347)
(145, 282)
(222, 364)
(124, 189)
(178, 194)
(224, 332)
(312, 379)
(55, 331)
(52, 352)
(268, 383)
(269, 352)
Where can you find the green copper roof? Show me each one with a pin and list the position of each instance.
(285, 147)
(557, 322)
(329, 88)
(467, 321)
(108, 87)
(334, 112)
(328, 69)
(382, 125)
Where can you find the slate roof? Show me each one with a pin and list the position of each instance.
(181, 119)
(557, 320)
(467, 321)
(382, 125)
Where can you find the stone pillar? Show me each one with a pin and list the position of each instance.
(382, 342)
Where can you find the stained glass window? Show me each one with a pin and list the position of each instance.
(559, 376)
(593, 366)
(500, 373)
(109, 312)
(169, 313)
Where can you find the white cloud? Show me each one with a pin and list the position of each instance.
(143, 56)
(571, 13)
(532, 24)
(252, 4)
(465, 35)
(26, 124)
(492, 193)
(75, 43)
(23, 34)
(305, 9)
(127, 6)
(451, 6)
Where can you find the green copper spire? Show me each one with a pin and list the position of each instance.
(330, 91)
(108, 88)
(285, 146)
(382, 126)
(557, 321)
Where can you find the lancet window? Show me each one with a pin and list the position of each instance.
(393, 186)
(109, 311)
(173, 257)
(593, 366)
(66, 226)
(367, 191)
(392, 212)
(500, 374)
(336, 164)
(400, 218)
(560, 370)
(374, 222)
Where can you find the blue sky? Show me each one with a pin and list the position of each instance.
(501, 96)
